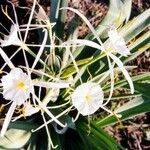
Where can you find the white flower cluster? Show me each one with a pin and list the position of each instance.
(18, 86)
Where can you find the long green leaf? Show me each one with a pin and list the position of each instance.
(58, 16)
(130, 109)
(97, 139)
(135, 26)
(122, 83)
(139, 46)
(14, 139)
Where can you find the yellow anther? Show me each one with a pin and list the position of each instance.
(19, 110)
(2, 107)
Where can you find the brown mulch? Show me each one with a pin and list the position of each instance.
(133, 135)
(94, 11)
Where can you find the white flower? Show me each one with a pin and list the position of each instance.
(87, 98)
(16, 86)
(12, 38)
(117, 42)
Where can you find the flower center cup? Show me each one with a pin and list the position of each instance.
(21, 85)
(88, 98)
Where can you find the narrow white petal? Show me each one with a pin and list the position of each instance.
(87, 23)
(112, 80)
(6, 59)
(47, 111)
(8, 118)
(124, 71)
(51, 84)
(51, 120)
(85, 42)
(40, 50)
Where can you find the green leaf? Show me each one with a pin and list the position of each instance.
(143, 88)
(97, 138)
(137, 47)
(23, 125)
(70, 70)
(128, 110)
(72, 31)
(32, 142)
(135, 26)
(124, 96)
(142, 85)
(14, 139)
(58, 16)
(122, 83)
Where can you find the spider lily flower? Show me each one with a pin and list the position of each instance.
(12, 38)
(117, 42)
(109, 55)
(16, 87)
(87, 98)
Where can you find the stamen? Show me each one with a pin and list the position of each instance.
(2, 107)
(48, 133)
(75, 119)
(51, 120)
